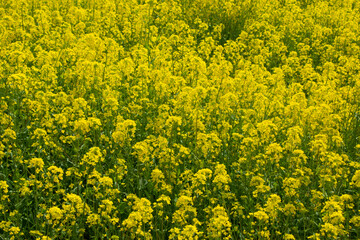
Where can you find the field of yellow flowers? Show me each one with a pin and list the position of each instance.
(179, 119)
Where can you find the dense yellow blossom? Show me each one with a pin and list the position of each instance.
(93, 157)
(54, 215)
(36, 163)
(179, 119)
(139, 222)
(219, 226)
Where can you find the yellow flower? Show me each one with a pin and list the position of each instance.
(54, 215)
(189, 232)
(106, 207)
(4, 187)
(332, 212)
(93, 219)
(106, 181)
(185, 213)
(74, 206)
(82, 125)
(56, 173)
(258, 182)
(163, 199)
(347, 201)
(289, 209)
(291, 185)
(139, 222)
(36, 163)
(125, 131)
(93, 157)
(199, 180)
(219, 226)
(355, 181)
(208, 144)
(289, 237)
(44, 238)
(9, 135)
(329, 230)
(261, 216)
(14, 230)
(274, 150)
(237, 210)
(355, 220)
(272, 206)
(35, 233)
(221, 178)
(158, 178)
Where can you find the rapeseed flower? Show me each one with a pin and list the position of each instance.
(179, 119)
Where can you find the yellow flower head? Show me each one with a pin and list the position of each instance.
(36, 163)
(56, 173)
(93, 157)
(54, 215)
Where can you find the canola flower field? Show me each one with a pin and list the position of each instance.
(179, 119)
